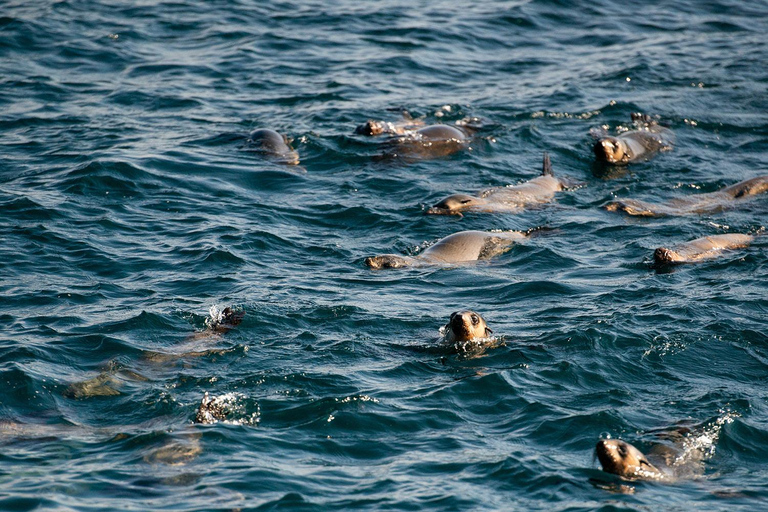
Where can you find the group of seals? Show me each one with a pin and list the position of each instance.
(641, 144)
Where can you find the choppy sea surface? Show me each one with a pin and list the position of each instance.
(132, 212)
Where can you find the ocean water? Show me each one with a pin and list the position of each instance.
(133, 212)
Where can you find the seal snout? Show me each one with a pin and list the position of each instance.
(386, 261)
(608, 150)
(466, 326)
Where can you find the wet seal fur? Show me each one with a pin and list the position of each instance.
(700, 249)
(697, 203)
(640, 144)
(211, 410)
(505, 199)
(623, 459)
(466, 330)
(412, 140)
(273, 145)
(461, 247)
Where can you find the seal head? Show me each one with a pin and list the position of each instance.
(370, 128)
(612, 150)
(466, 326)
(625, 460)
(272, 144)
(664, 256)
(387, 261)
(454, 205)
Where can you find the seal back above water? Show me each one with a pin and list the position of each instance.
(539, 190)
(701, 249)
(461, 247)
(696, 203)
(273, 145)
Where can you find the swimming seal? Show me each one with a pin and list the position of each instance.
(626, 461)
(211, 410)
(504, 199)
(640, 144)
(273, 145)
(461, 247)
(431, 141)
(465, 326)
(697, 203)
(700, 249)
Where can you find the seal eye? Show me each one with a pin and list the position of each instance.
(466, 201)
(475, 320)
(622, 451)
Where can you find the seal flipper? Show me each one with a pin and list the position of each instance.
(546, 169)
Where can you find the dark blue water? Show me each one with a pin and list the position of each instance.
(131, 207)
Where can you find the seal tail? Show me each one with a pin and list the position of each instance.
(546, 168)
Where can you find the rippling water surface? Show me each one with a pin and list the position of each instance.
(132, 210)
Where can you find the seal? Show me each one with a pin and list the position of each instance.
(539, 190)
(700, 249)
(198, 344)
(465, 326)
(433, 141)
(698, 203)
(641, 144)
(211, 410)
(461, 247)
(626, 461)
(273, 145)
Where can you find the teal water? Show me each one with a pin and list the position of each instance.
(131, 207)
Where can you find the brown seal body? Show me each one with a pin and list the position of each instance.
(697, 203)
(641, 144)
(273, 145)
(431, 141)
(539, 190)
(461, 247)
(700, 249)
(625, 460)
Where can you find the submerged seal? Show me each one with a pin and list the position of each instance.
(625, 460)
(273, 145)
(704, 248)
(465, 326)
(461, 247)
(211, 410)
(698, 203)
(504, 199)
(640, 144)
